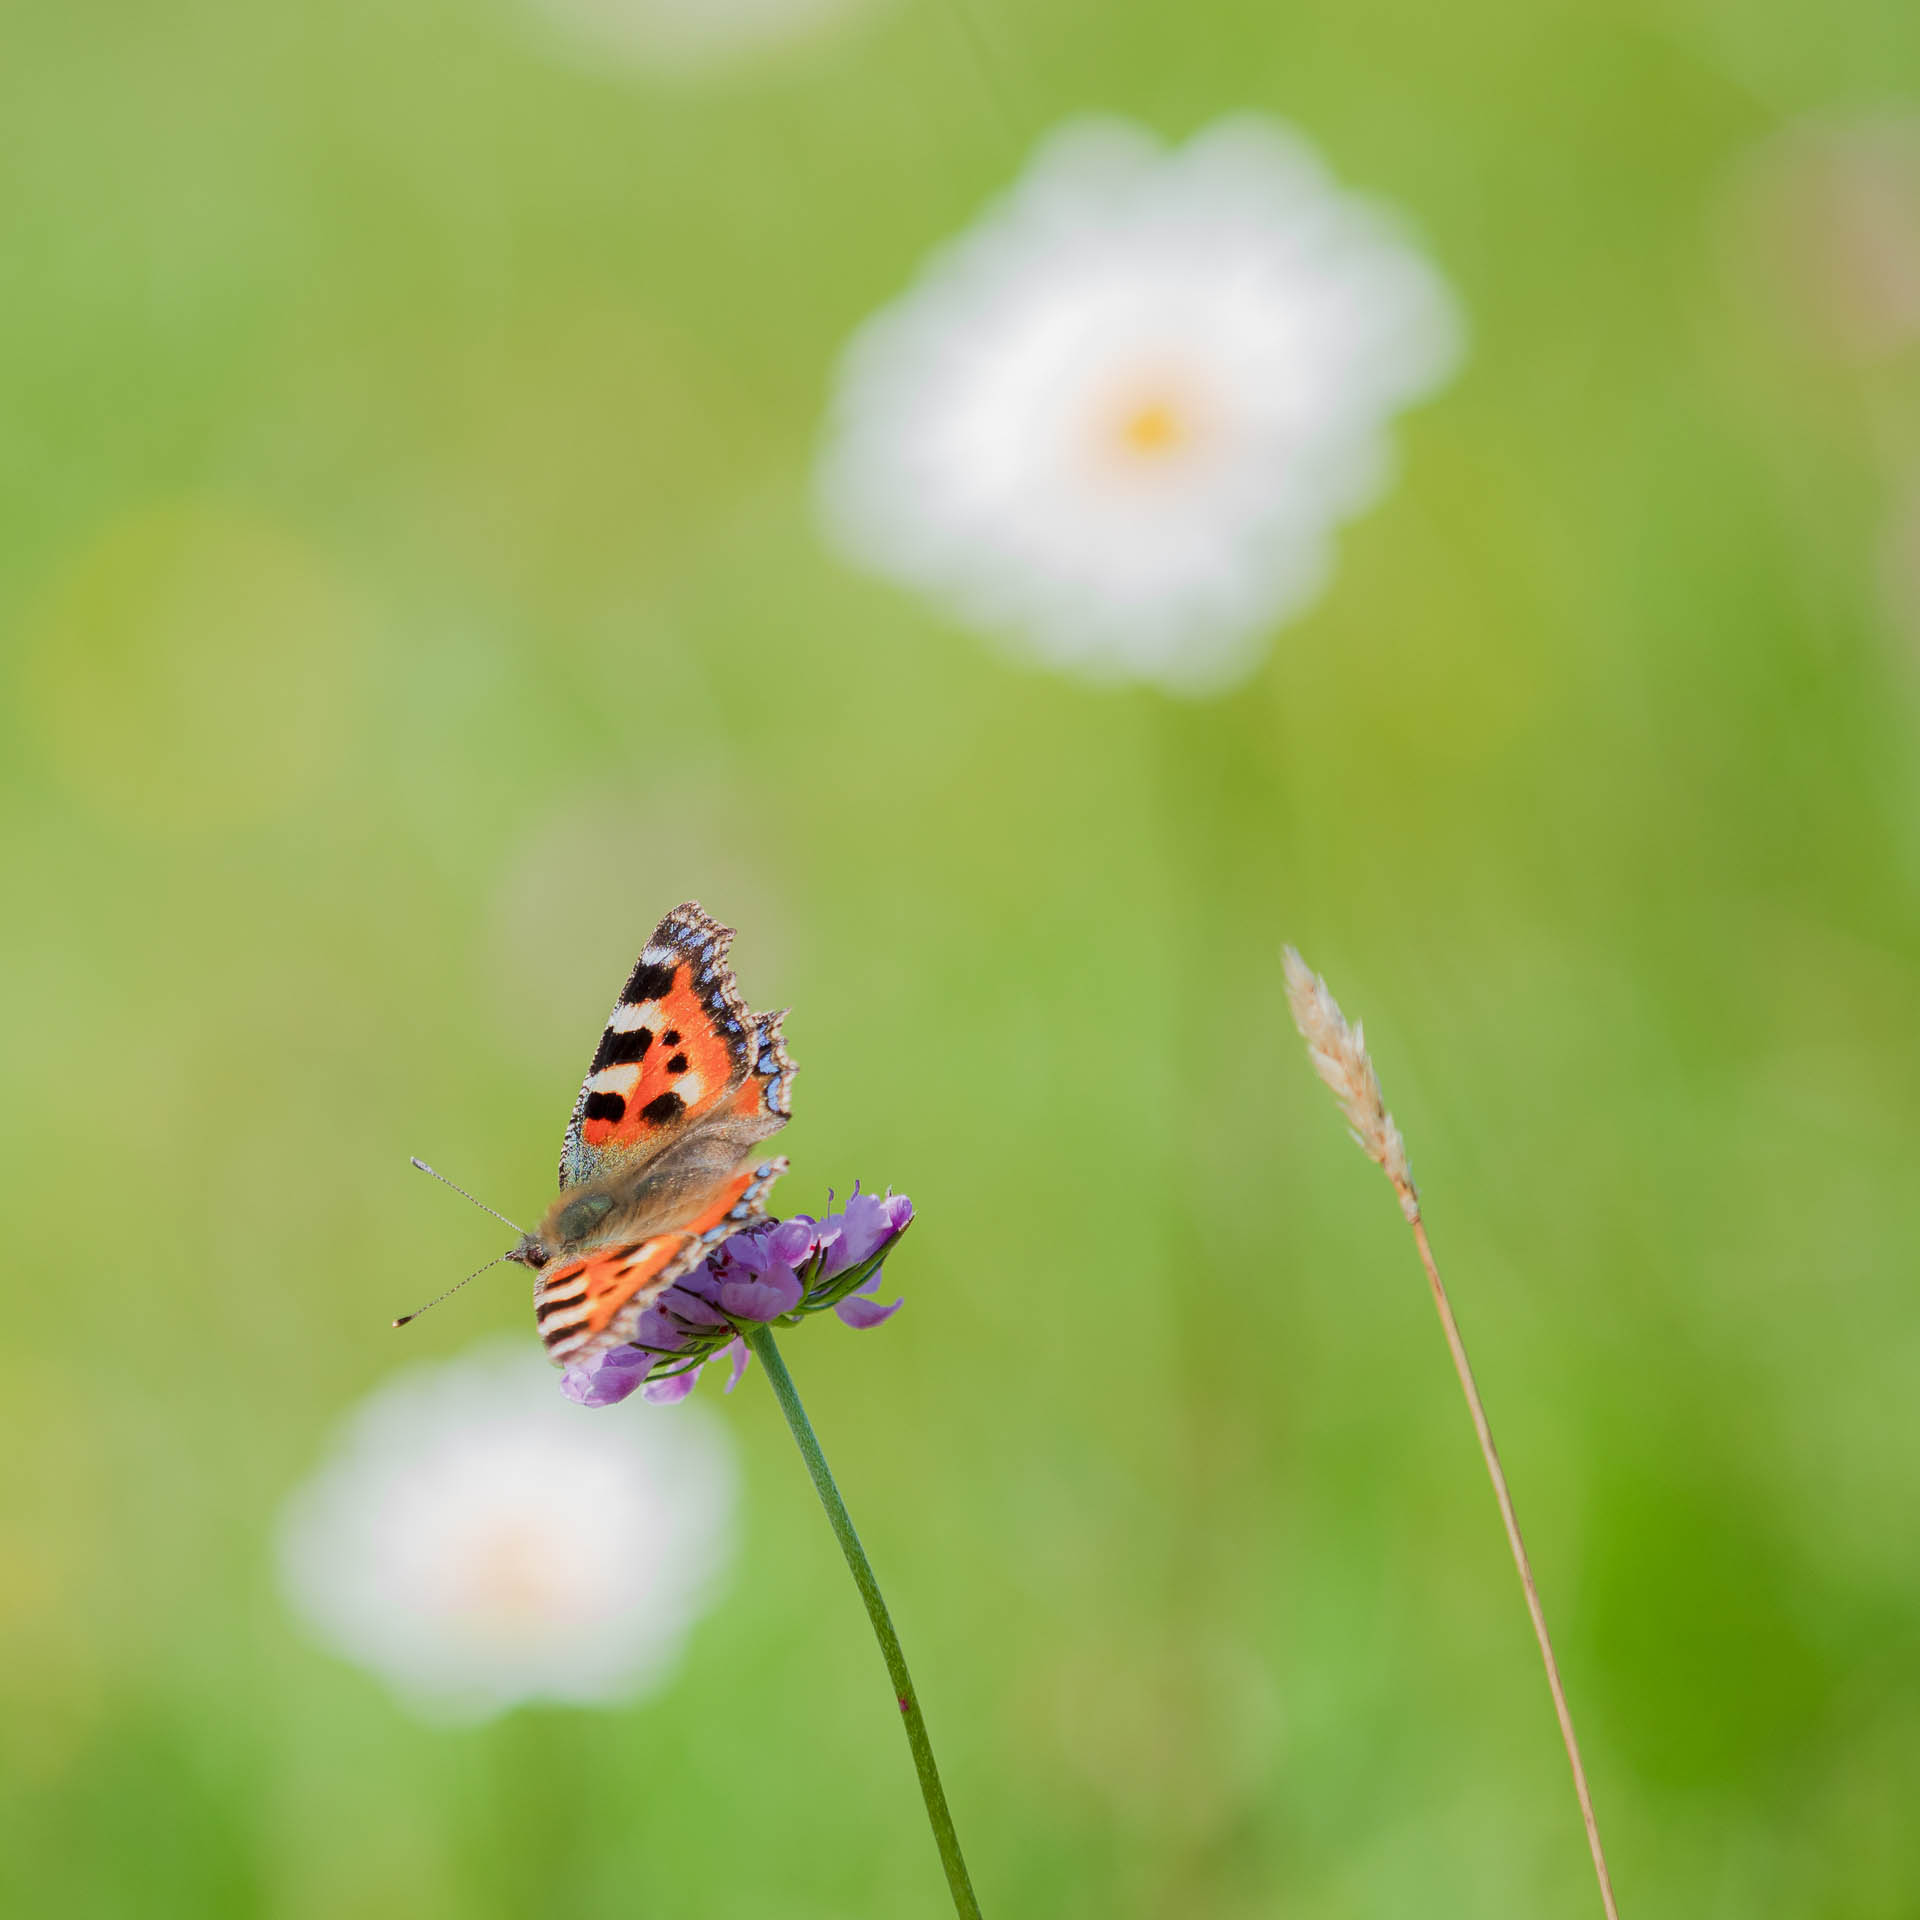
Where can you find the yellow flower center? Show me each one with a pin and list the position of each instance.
(1153, 426)
(508, 1590)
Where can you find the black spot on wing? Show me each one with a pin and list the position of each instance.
(678, 1064)
(610, 1106)
(664, 1107)
(650, 980)
(621, 1049)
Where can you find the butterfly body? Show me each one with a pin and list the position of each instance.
(661, 1160)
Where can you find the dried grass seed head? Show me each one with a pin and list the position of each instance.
(1338, 1050)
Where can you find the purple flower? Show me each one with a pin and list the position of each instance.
(778, 1270)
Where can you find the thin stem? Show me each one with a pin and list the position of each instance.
(760, 1339)
(1411, 1206)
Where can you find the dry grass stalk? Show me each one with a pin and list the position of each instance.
(1339, 1055)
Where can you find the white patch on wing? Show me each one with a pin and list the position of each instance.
(620, 1080)
(641, 1013)
(689, 1085)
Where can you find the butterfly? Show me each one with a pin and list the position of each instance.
(659, 1164)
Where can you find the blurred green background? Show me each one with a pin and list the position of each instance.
(410, 587)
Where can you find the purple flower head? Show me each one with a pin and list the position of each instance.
(777, 1271)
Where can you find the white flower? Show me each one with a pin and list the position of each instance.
(478, 1541)
(1116, 422)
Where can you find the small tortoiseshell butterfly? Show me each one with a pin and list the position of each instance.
(659, 1164)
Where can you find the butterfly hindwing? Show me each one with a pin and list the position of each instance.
(737, 1205)
(576, 1304)
(596, 1299)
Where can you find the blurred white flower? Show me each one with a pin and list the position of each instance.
(688, 35)
(1117, 421)
(478, 1541)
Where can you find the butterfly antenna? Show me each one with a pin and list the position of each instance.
(451, 1291)
(465, 1195)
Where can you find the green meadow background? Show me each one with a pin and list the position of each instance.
(409, 586)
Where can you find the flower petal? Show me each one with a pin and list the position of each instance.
(657, 1328)
(741, 1257)
(765, 1299)
(672, 1390)
(738, 1349)
(701, 1282)
(686, 1305)
(791, 1242)
(857, 1311)
(607, 1378)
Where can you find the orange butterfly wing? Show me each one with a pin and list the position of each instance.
(576, 1303)
(679, 1045)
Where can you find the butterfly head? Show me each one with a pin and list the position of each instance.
(531, 1252)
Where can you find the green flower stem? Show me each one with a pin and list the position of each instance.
(760, 1339)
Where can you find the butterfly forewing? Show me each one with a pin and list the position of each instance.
(678, 1041)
